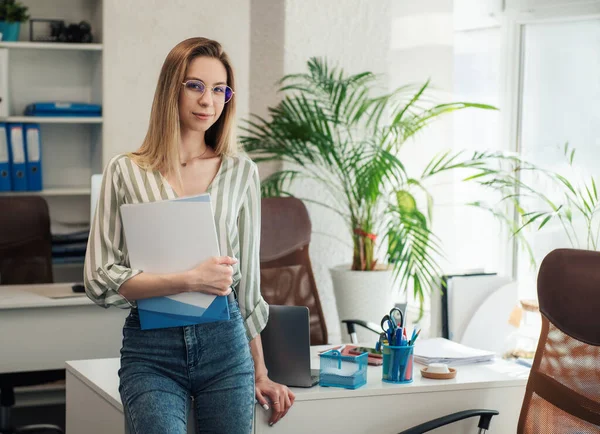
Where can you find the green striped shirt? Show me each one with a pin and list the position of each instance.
(235, 197)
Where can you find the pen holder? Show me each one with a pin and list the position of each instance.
(397, 364)
(349, 372)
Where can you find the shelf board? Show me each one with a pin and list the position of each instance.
(81, 191)
(53, 120)
(50, 46)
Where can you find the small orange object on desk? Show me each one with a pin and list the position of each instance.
(438, 371)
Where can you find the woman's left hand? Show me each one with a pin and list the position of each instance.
(281, 397)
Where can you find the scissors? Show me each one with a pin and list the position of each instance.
(391, 322)
(389, 328)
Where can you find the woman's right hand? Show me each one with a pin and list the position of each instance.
(213, 276)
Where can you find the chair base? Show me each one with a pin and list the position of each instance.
(39, 429)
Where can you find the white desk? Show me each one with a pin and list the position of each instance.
(94, 405)
(42, 326)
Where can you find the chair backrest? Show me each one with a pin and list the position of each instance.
(563, 391)
(286, 273)
(25, 241)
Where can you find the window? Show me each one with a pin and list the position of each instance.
(560, 103)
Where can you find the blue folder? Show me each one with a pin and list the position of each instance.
(18, 157)
(5, 172)
(34, 156)
(163, 312)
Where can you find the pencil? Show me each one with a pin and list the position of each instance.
(412, 341)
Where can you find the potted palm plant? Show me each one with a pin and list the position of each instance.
(331, 128)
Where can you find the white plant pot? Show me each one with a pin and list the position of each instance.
(363, 295)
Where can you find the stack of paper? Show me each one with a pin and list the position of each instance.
(440, 350)
(173, 236)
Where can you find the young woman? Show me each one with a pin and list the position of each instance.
(189, 149)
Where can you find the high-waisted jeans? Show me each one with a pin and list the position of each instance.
(162, 368)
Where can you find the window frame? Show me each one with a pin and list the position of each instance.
(513, 23)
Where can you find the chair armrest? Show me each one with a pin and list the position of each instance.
(485, 417)
(350, 323)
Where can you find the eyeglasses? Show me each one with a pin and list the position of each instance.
(221, 94)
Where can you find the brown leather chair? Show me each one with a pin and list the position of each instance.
(25, 241)
(563, 390)
(25, 258)
(286, 274)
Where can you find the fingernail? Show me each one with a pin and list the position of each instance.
(270, 423)
(265, 406)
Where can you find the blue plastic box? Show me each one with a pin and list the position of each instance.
(349, 372)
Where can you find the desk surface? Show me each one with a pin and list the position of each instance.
(43, 295)
(101, 376)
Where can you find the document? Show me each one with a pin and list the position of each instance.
(172, 237)
(440, 350)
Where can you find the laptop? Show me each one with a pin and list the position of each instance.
(286, 346)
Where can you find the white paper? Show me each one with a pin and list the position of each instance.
(171, 237)
(440, 350)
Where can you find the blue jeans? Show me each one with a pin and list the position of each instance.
(161, 369)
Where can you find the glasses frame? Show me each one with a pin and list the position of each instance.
(212, 90)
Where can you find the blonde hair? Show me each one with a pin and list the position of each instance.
(160, 149)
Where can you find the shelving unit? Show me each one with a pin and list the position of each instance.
(71, 146)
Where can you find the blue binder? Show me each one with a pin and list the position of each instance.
(18, 158)
(34, 156)
(5, 181)
(63, 109)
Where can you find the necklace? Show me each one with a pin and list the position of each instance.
(185, 163)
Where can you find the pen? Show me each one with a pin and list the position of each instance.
(398, 341)
(413, 335)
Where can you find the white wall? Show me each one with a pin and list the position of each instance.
(422, 48)
(354, 34)
(267, 39)
(138, 34)
(403, 41)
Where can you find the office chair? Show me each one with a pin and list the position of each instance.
(25, 258)
(285, 270)
(563, 389)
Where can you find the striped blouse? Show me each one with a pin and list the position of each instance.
(235, 197)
